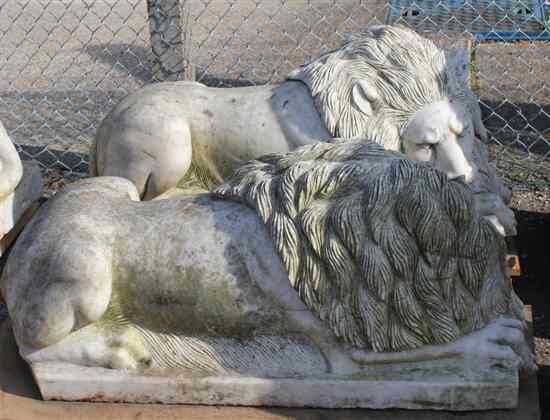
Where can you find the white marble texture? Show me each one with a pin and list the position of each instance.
(407, 386)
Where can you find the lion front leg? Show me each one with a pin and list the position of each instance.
(338, 355)
(492, 207)
(502, 342)
(270, 275)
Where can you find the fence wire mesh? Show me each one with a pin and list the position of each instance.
(65, 64)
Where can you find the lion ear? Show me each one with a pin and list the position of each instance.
(363, 96)
(459, 63)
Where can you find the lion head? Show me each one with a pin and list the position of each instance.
(399, 89)
(390, 253)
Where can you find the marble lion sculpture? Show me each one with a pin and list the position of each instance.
(363, 255)
(11, 167)
(20, 184)
(387, 84)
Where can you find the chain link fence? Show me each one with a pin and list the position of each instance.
(64, 64)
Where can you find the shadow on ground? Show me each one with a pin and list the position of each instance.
(136, 61)
(533, 245)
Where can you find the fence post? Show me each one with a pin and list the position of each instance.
(170, 29)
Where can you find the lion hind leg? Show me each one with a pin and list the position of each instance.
(173, 160)
(153, 153)
(74, 292)
(99, 336)
(97, 345)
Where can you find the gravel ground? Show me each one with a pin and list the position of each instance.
(512, 81)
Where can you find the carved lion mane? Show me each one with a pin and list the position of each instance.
(406, 70)
(388, 252)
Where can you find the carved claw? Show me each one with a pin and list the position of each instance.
(492, 207)
(502, 342)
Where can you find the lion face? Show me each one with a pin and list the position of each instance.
(442, 134)
(400, 90)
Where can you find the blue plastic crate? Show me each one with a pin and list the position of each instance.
(487, 19)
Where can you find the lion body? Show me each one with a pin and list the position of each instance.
(182, 134)
(160, 134)
(343, 243)
(197, 281)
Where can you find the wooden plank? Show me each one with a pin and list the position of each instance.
(9, 238)
(513, 263)
(512, 258)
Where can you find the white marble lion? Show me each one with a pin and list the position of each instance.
(388, 84)
(20, 184)
(319, 261)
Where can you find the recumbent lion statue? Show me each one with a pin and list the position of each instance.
(363, 255)
(387, 84)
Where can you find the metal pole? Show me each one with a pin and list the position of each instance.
(170, 29)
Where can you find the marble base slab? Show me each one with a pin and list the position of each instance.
(20, 400)
(408, 387)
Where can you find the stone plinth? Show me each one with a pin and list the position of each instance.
(434, 386)
(20, 400)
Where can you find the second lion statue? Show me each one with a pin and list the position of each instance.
(388, 84)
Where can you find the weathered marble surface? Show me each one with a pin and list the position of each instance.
(11, 168)
(430, 386)
(337, 264)
(20, 399)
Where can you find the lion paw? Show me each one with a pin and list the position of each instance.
(492, 207)
(502, 343)
(128, 352)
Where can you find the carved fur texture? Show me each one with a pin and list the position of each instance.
(388, 252)
(407, 71)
